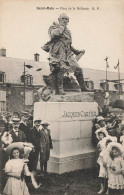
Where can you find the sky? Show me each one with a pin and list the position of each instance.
(96, 26)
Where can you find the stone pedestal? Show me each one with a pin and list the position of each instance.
(71, 129)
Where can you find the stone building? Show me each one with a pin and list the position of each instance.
(13, 91)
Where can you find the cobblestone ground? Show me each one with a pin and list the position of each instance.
(74, 183)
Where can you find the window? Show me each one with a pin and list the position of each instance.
(2, 77)
(2, 101)
(122, 96)
(2, 106)
(29, 98)
(117, 86)
(104, 85)
(28, 79)
(89, 83)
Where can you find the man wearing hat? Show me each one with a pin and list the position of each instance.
(30, 122)
(101, 121)
(16, 133)
(62, 53)
(7, 123)
(7, 127)
(24, 125)
(46, 145)
(35, 140)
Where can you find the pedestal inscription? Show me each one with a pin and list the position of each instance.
(71, 127)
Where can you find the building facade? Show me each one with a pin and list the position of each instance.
(17, 94)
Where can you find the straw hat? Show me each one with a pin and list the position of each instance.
(37, 120)
(15, 120)
(45, 123)
(111, 138)
(14, 145)
(101, 130)
(117, 145)
(100, 118)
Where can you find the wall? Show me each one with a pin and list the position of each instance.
(71, 131)
(15, 97)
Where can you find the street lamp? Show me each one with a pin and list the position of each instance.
(27, 66)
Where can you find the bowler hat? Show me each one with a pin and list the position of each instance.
(31, 117)
(16, 115)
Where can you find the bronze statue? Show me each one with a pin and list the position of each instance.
(62, 59)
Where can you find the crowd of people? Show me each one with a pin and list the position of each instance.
(108, 139)
(22, 145)
(25, 141)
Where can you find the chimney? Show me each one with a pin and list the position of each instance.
(3, 52)
(36, 57)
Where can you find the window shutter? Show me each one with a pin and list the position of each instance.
(3, 96)
(29, 98)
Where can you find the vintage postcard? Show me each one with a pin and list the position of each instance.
(61, 97)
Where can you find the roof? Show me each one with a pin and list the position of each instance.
(97, 75)
(14, 68)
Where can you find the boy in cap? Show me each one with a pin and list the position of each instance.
(45, 145)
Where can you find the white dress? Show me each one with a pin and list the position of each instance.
(103, 157)
(115, 179)
(122, 140)
(16, 186)
(101, 145)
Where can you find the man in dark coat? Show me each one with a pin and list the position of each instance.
(35, 140)
(7, 125)
(24, 125)
(16, 133)
(46, 145)
(3, 160)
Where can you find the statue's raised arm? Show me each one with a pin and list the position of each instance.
(63, 56)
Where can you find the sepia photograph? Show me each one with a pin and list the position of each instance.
(61, 97)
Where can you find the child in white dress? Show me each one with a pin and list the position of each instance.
(100, 134)
(103, 156)
(16, 169)
(115, 166)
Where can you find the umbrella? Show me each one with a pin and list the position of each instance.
(117, 104)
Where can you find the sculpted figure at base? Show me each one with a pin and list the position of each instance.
(62, 55)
